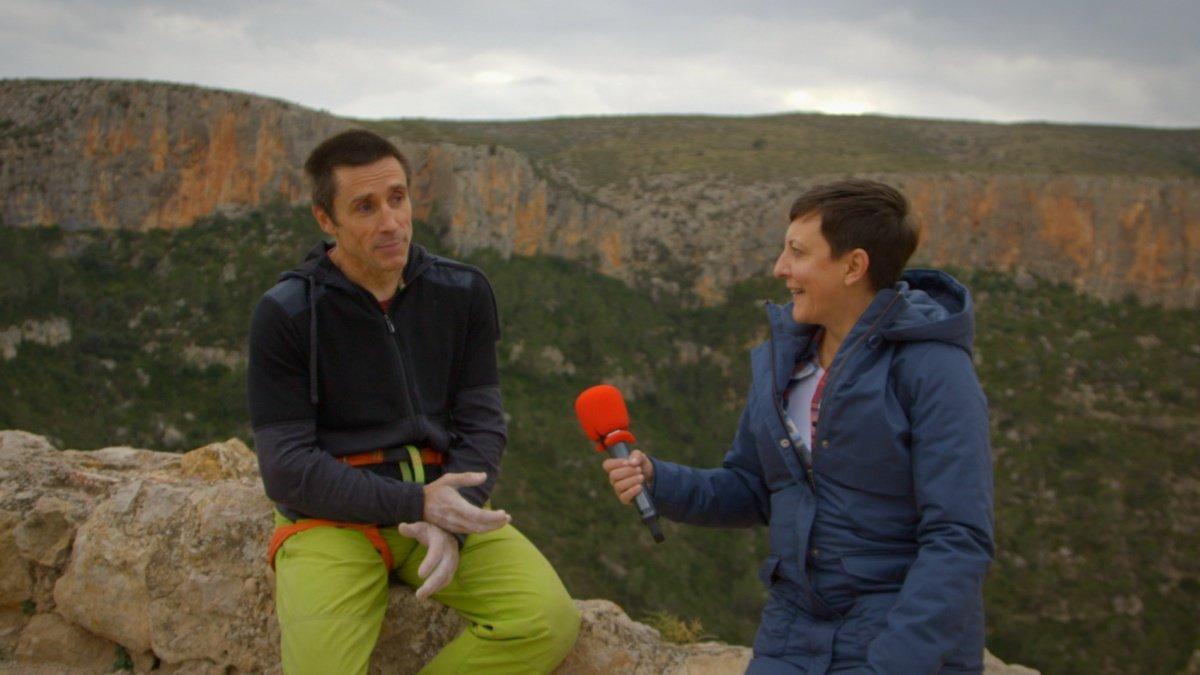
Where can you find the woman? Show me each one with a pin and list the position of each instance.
(863, 445)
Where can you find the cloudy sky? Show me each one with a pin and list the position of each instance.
(1084, 61)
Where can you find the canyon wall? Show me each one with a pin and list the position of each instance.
(129, 155)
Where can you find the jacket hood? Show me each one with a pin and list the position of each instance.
(924, 305)
(317, 266)
(933, 306)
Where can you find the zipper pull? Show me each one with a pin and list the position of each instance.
(390, 325)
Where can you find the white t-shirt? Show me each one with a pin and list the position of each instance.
(799, 401)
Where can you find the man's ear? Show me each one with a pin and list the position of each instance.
(328, 225)
(857, 264)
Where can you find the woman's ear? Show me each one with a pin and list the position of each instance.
(857, 263)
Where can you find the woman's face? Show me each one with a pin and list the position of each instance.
(815, 280)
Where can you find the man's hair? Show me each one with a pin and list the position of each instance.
(357, 147)
(858, 213)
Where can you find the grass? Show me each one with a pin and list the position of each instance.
(607, 151)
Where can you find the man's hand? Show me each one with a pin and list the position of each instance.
(441, 559)
(448, 510)
(629, 475)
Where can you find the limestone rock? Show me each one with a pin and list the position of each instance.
(44, 535)
(12, 621)
(611, 642)
(16, 581)
(15, 443)
(165, 557)
(994, 666)
(48, 638)
(141, 156)
(231, 459)
(107, 155)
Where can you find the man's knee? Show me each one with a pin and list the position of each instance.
(561, 619)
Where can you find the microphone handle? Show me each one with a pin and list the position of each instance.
(645, 504)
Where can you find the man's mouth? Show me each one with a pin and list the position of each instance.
(391, 245)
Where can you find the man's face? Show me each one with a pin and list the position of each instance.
(815, 280)
(372, 217)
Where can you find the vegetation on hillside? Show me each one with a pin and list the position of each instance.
(600, 151)
(1094, 423)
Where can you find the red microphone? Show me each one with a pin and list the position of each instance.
(602, 414)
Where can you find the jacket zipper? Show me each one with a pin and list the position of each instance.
(836, 369)
(777, 400)
(408, 392)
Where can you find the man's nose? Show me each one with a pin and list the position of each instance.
(393, 217)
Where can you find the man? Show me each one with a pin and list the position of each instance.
(863, 445)
(375, 402)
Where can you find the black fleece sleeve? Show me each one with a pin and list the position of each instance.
(295, 472)
(477, 415)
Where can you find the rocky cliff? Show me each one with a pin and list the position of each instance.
(94, 154)
(156, 561)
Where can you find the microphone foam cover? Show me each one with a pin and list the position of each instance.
(601, 411)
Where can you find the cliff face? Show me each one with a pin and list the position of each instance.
(139, 156)
(110, 155)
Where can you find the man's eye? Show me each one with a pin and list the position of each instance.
(398, 198)
(364, 207)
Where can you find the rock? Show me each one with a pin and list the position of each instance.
(16, 581)
(92, 154)
(611, 642)
(44, 535)
(551, 361)
(1148, 341)
(1024, 280)
(48, 638)
(215, 461)
(202, 357)
(50, 332)
(12, 621)
(994, 666)
(15, 443)
(165, 556)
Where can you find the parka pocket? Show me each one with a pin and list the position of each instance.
(766, 571)
(884, 475)
(878, 569)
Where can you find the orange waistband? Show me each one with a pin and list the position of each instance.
(372, 533)
(429, 457)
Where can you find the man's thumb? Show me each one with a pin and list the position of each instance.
(409, 530)
(463, 479)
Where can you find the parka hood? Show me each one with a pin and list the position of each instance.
(933, 306)
(924, 305)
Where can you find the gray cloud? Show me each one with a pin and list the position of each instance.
(1091, 62)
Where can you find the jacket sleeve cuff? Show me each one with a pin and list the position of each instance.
(667, 487)
(411, 503)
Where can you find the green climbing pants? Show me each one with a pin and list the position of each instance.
(331, 591)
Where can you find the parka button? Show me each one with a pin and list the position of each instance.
(783, 442)
(825, 443)
(816, 553)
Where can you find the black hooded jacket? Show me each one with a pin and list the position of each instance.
(332, 374)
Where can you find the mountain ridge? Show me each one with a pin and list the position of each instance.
(636, 203)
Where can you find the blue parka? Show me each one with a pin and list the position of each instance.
(878, 555)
